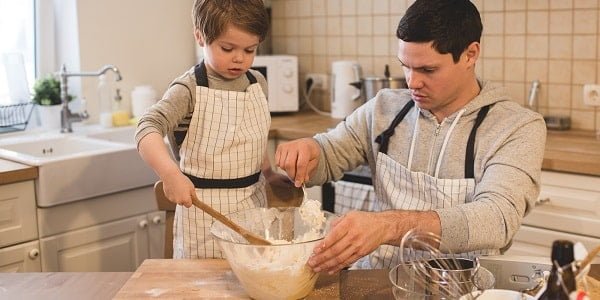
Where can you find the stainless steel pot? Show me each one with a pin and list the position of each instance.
(370, 85)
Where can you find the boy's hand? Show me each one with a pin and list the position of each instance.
(178, 189)
(298, 158)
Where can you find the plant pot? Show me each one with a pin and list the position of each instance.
(49, 116)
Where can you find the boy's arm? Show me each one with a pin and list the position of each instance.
(178, 188)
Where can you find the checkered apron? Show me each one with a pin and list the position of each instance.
(397, 187)
(227, 140)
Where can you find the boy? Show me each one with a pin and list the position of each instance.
(217, 120)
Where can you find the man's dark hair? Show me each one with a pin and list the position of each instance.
(452, 25)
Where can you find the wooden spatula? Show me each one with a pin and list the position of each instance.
(251, 237)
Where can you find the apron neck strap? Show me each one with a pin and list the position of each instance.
(202, 77)
(470, 153)
(384, 138)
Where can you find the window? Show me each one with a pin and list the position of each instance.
(17, 50)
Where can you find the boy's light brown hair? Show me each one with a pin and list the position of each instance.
(211, 17)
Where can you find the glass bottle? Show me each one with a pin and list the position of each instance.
(560, 283)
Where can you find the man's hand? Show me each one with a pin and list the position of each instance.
(298, 159)
(353, 236)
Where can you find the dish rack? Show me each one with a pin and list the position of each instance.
(15, 117)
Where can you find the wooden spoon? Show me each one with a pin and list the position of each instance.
(251, 237)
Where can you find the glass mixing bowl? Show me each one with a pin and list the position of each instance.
(277, 271)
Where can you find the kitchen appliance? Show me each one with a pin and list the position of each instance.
(516, 272)
(345, 97)
(370, 85)
(281, 72)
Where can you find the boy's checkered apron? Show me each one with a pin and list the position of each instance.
(227, 139)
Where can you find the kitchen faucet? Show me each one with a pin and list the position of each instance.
(532, 101)
(66, 116)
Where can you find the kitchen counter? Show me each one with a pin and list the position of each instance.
(177, 279)
(14, 172)
(566, 151)
(569, 151)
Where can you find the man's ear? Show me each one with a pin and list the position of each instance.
(472, 52)
(199, 38)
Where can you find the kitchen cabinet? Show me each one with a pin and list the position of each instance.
(114, 232)
(117, 246)
(19, 247)
(17, 213)
(24, 257)
(568, 208)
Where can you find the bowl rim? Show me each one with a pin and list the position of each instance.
(328, 215)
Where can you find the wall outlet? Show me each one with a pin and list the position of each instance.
(320, 81)
(591, 94)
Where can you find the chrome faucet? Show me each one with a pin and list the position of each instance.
(66, 116)
(532, 101)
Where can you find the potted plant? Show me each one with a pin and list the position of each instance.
(46, 94)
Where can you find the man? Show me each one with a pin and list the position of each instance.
(451, 154)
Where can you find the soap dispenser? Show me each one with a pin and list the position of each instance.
(105, 102)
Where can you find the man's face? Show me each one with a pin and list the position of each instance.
(437, 83)
(232, 53)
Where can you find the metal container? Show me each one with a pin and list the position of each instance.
(370, 85)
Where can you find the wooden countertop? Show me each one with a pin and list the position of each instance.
(178, 279)
(569, 151)
(61, 285)
(14, 172)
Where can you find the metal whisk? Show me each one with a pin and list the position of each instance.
(427, 273)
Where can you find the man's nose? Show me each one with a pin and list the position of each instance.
(413, 80)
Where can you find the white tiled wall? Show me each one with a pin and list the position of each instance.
(555, 41)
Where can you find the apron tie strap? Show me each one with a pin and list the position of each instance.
(235, 183)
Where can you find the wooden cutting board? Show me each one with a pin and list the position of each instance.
(202, 278)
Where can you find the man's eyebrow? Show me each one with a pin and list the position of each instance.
(417, 67)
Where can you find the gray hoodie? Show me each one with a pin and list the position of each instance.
(509, 149)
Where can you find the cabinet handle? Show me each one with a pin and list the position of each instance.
(157, 220)
(143, 224)
(542, 201)
(34, 253)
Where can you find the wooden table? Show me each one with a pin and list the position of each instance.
(177, 279)
(61, 285)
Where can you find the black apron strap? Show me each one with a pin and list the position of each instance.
(251, 77)
(236, 183)
(384, 138)
(470, 153)
(200, 73)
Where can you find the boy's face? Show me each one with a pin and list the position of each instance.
(232, 53)
(437, 83)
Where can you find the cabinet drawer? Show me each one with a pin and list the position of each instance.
(21, 258)
(18, 221)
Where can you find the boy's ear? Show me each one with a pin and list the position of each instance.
(199, 38)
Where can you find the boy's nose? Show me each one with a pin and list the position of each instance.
(238, 58)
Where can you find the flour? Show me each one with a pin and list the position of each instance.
(156, 292)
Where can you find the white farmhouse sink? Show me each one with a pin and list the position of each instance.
(75, 167)
(123, 135)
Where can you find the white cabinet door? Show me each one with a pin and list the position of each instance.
(18, 222)
(118, 246)
(156, 234)
(538, 242)
(21, 258)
